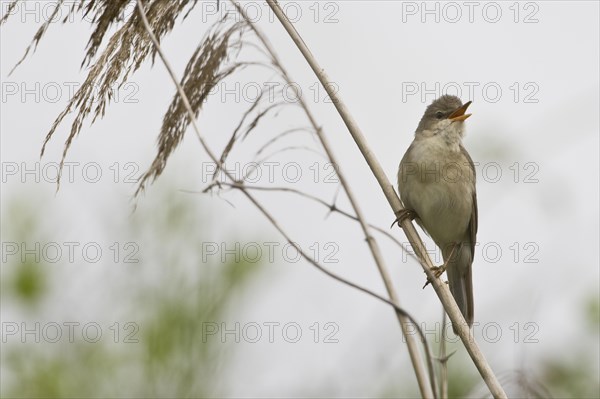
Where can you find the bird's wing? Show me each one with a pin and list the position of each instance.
(474, 216)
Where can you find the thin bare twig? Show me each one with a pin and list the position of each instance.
(443, 360)
(279, 137)
(427, 390)
(234, 135)
(331, 206)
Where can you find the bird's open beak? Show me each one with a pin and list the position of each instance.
(459, 114)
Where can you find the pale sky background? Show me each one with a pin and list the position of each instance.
(543, 122)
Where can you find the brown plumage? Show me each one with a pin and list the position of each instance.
(436, 180)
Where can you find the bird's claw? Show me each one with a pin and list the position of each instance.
(403, 214)
(437, 272)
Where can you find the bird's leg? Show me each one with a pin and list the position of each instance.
(404, 214)
(439, 270)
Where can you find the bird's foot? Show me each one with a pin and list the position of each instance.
(439, 270)
(404, 214)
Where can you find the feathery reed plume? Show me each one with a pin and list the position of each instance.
(206, 68)
(124, 53)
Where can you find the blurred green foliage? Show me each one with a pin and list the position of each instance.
(168, 356)
(577, 376)
(171, 293)
(28, 283)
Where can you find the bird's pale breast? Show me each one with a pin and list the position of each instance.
(436, 181)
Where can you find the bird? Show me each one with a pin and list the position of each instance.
(436, 181)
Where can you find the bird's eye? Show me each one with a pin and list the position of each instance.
(439, 115)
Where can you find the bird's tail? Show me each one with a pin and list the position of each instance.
(460, 278)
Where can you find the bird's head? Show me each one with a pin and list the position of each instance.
(444, 116)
